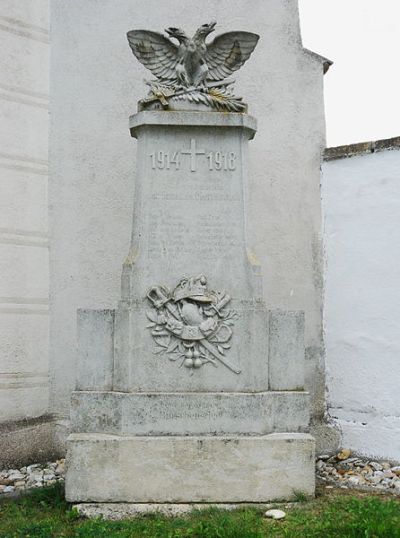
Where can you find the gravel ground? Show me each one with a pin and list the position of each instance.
(16, 481)
(344, 471)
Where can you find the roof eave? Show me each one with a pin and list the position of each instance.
(326, 63)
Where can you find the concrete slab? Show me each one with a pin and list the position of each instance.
(118, 511)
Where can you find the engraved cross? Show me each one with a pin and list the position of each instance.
(193, 153)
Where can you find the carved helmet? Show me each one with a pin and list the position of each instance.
(194, 288)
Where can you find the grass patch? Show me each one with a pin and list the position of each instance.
(45, 514)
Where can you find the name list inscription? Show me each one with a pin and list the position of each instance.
(216, 160)
(208, 235)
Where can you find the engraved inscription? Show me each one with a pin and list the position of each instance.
(165, 160)
(219, 160)
(172, 160)
(194, 215)
(173, 234)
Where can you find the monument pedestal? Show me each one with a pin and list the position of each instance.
(191, 391)
(185, 469)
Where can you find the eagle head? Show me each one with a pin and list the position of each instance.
(205, 29)
(177, 33)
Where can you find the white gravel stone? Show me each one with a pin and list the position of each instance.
(15, 476)
(375, 479)
(34, 478)
(376, 466)
(389, 474)
(32, 467)
(275, 514)
(60, 469)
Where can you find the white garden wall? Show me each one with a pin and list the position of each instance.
(361, 204)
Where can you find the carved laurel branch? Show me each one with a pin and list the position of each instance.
(215, 98)
(218, 98)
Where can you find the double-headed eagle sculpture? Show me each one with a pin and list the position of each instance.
(192, 70)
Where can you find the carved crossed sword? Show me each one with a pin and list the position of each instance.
(159, 299)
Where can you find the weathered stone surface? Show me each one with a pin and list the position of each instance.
(189, 214)
(95, 349)
(286, 350)
(117, 511)
(109, 468)
(189, 413)
(174, 119)
(137, 368)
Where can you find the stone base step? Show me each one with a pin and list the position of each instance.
(189, 413)
(193, 469)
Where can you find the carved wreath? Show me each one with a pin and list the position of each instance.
(192, 324)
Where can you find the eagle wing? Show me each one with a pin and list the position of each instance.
(228, 52)
(154, 51)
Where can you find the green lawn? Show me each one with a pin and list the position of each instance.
(44, 513)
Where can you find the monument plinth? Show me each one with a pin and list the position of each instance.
(191, 391)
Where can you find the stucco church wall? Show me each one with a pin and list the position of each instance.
(95, 85)
(361, 199)
(24, 245)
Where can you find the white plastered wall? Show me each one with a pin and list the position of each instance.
(24, 270)
(361, 201)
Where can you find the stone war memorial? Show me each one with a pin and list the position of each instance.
(192, 389)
